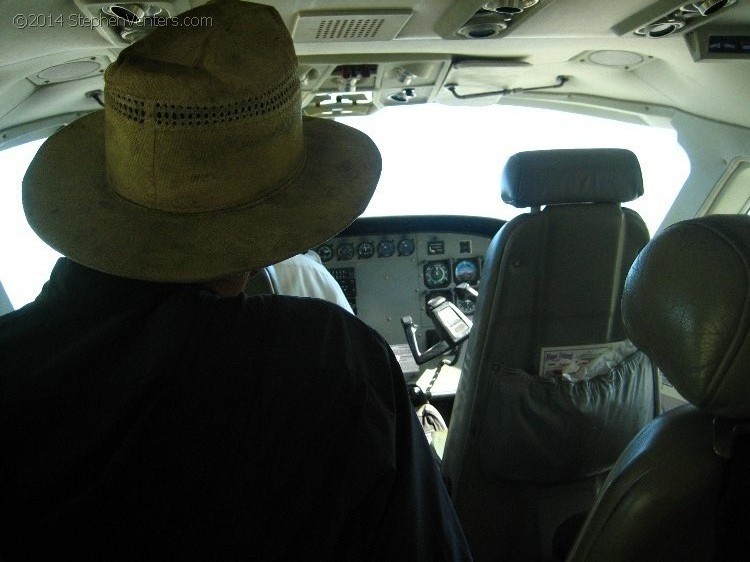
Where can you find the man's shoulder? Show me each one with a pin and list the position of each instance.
(301, 312)
(311, 311)
(320, 320)
(296, 332)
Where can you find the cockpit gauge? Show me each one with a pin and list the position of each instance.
(345, 251)
(437, 274)
(325, 252)
(405, 247)
(467, 306)
(365, 250)
(386, 248)
(466, 271)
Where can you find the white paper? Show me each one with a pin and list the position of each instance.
(582, 362)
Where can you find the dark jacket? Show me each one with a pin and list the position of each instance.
(147, 421)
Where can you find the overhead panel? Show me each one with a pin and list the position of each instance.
(719, 43)
(361, 85)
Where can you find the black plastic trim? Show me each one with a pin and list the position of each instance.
(479, 226)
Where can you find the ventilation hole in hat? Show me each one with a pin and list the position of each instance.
(164, 113)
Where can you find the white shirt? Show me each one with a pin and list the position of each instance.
(304, 275)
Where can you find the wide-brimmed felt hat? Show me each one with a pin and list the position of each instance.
(201, 163)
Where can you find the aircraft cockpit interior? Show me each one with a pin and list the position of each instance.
(542, 163)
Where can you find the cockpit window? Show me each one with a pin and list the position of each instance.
(25, 261)
(440, 159)
(437, 160)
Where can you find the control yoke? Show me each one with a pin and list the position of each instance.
(451, 324)
(468, 290)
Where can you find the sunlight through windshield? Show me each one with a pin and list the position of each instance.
(440, 159)
(436, 160)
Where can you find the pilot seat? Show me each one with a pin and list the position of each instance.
(551, 390)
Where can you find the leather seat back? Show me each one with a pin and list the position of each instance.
(525, 451)
(687, 304)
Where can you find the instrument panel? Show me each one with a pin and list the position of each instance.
(389, 267)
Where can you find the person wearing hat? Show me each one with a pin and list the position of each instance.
(149, 410)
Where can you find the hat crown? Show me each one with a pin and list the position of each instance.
(220, 51)
(193, 106)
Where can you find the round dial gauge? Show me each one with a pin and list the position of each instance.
(365, 250)
(325, 252)
(386, 248)
(437, 274)
(405, 247)
(466, 271)
(345, 251)
(467, 306)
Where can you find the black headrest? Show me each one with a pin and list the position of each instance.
(687, 305)
(579, 175)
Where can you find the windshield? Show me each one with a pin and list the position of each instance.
(437, 160)
(440, 159)
(25, 261)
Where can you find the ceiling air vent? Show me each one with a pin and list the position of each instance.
(374, 25)
(125, 23)
(680, 18)
(483, 19)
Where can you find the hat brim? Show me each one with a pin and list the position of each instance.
(70, 206)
